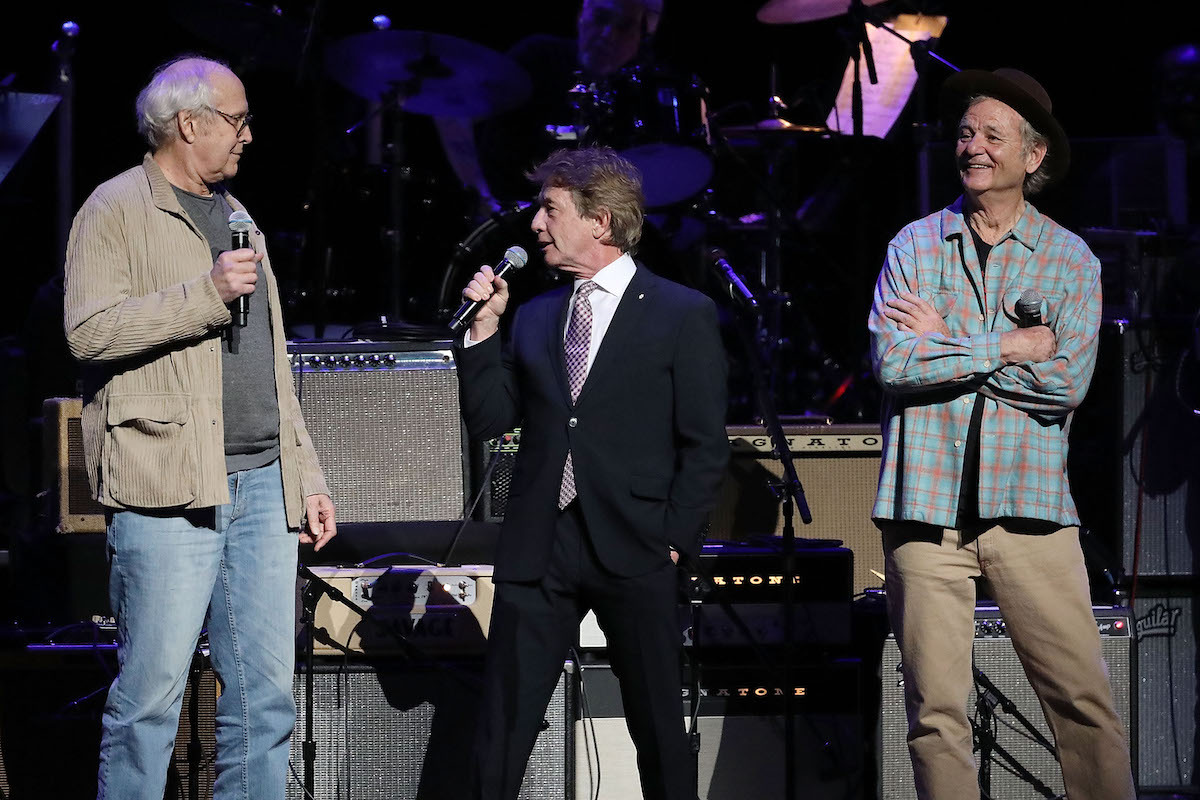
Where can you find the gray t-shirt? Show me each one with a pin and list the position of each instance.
(250, 405)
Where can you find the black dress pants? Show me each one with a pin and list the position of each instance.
(532, 629)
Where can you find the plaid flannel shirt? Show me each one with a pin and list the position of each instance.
(932, 382)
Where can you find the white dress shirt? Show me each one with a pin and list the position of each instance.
(612, 281)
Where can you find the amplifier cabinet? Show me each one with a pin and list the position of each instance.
(64, 473)
(995, 657)
(1166, 626)
(741, 727)
(438, 610)
(384, 418)
(838, 466)
(393, 731)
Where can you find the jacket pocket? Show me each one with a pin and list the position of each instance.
(649, 488)
(150, 451)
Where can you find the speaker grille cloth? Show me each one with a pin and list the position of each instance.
(389, 440)
(374, 730)
(1166, 659)
(997, 659)
(838, 486)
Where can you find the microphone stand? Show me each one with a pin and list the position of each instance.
(985, 734)
(64, 50)
(791, 493)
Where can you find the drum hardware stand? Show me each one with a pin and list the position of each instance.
(64, 50)
(984, 733)
(922, 53)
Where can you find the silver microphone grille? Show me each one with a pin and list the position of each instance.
(516, 256)
(240, 221)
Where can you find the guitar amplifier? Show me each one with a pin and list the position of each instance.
(750, 581)
(997, 660)
(741, 729)
(443, 611)
(838, 466)
(64, 474)
(384, 419)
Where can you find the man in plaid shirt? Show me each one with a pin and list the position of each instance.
(979, 392)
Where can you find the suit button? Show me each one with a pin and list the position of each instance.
(572, 422)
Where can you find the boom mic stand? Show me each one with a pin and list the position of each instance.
(790, 492)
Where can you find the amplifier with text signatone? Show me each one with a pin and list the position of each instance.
(741, 732)
(837, 464)
(384, 419)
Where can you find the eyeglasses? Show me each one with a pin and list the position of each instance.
(239, 122)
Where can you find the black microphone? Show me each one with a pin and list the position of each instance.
(1029, 309)
(239, 226)
(514, 258)
(737, 289)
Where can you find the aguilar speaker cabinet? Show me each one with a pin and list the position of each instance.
(395, 731)
(1166, 629)
(838, 466)
(384, 418)
(742, 748)
(995, 658)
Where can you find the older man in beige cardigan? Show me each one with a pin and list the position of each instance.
(194, 441)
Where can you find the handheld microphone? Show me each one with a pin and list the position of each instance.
(514, 258)
(737, 289)
(1029, 309)
(239, 227)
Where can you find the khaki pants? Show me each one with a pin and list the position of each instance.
(1041, 587)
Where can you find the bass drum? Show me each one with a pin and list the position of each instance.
(486, 245)
(671, 246)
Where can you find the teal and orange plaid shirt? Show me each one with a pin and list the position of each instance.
(931, 382)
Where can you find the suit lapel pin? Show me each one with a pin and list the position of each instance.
(640, 296)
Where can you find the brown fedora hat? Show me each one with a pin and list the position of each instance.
(1023, 94)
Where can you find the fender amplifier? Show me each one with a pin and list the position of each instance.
(384, 419)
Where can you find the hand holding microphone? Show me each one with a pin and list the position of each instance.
(486, 296)
(1032, 341)
(235, 272)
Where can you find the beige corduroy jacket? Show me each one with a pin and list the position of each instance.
(144, 317)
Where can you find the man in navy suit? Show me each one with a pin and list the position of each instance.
(618, 383)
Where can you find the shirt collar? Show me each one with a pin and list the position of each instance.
(613, 278)
(1027, 231)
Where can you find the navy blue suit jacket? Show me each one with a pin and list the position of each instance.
(647, 432)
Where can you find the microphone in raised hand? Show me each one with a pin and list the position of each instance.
(514, 258)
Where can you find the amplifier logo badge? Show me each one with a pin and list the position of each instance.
(1158, 621)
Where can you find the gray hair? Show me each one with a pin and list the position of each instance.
(1031, 138)
(184, 84)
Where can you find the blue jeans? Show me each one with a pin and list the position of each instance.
(233, 568)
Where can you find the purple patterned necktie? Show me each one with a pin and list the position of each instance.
(575, 348)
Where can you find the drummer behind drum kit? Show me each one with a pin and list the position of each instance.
(657, 118)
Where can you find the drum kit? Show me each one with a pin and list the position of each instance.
(659, 119)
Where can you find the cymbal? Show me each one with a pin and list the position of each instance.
(246, 32)
(782, 12)
(772, 130)
(436, 74)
